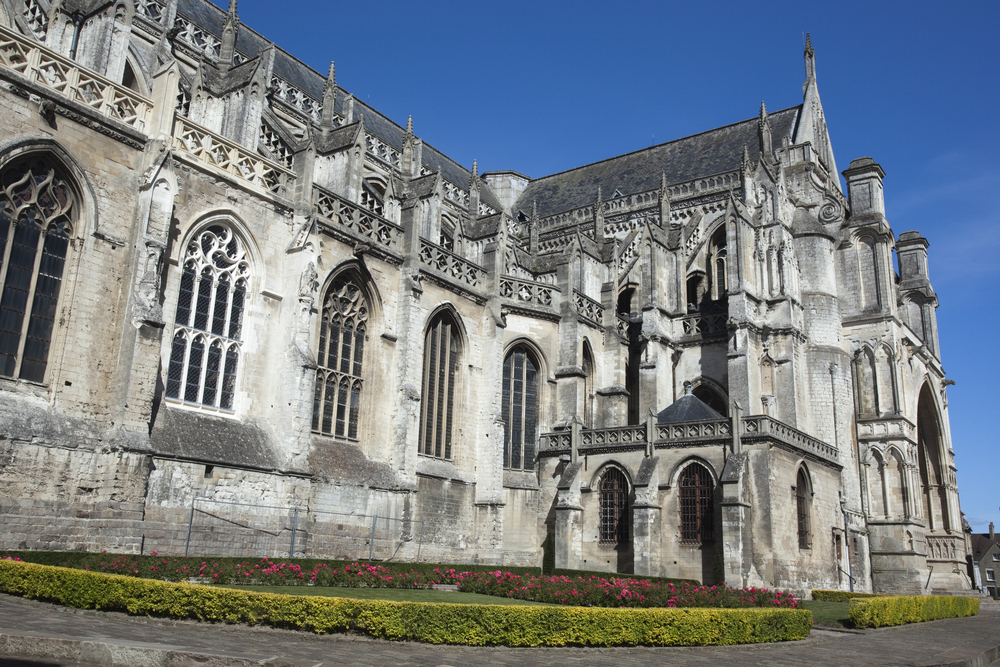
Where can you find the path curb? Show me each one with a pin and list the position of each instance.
(118, 653)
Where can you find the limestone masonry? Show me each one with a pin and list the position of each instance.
(242, 312)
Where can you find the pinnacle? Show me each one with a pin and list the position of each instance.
(409, 125)
(332, 74)
(809, 46)
(475, 168)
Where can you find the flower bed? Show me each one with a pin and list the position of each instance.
(587, 590)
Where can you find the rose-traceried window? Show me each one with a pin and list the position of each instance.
(337, 400)
(37, 211)
(208, 328)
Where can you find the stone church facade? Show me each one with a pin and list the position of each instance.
(223, 277)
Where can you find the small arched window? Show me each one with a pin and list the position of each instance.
(614, 494)
(37, 211)
(441, 353)
(717, 268)
(868, 274)
(588, 386)
(208, 326)
(803, 500)
(342, 335)
(373, 196)
(520, 408)
(697, 506)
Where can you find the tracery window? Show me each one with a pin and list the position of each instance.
(36, 222)
(208, 327)
(442, 348)
(520, 409)
(614, 493)
(343, 331)
(717, 270)
(373, 197)
(802, 497)
(697, 507)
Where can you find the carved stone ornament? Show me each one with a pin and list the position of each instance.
(831, 211)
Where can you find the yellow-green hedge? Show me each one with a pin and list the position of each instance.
(432, 623)
(841, 596)
(898, 610)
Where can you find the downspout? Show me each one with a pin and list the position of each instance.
(77, 22)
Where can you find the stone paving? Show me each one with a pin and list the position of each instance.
(35, 633)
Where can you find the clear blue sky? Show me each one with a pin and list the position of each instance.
(541, 87)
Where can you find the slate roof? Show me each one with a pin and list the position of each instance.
(687, 408)
(712, 152)
(981, 543)
(294, 71)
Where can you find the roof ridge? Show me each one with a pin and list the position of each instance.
(665, 143)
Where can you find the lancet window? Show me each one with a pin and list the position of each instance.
(208, 327)
(717, 271)
(442, 348)
(697, 507)
(803, 500)
(343, 331)
(614, 492)
(520, 408)
(37, 211)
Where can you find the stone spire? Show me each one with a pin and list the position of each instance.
(664, 198)
(745, 165)
(764, 134)
(409, 159)
(599, 217)
(533, 229)
(474, 191)
(329, 99)
(230, 30)
(810, 56)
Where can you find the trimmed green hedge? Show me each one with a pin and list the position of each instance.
(432, 623)
(841, 596)
(877, 612)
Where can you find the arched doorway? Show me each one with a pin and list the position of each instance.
(929, 450)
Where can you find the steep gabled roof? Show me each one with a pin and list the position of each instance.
(712, 152)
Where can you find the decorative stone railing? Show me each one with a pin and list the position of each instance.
(230, 157)
(945, 547)
(456, 194)
(685, 434)
(709, 324)
(381, 150)
(527, 291)
(450, 264)
(701, 186)
(47, 68)
(341, 211)
(197, 37)
(297, 99)
(713, 429)
(764, 426)
(152, 10)
(587, 307)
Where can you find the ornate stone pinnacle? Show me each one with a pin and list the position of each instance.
(809, 47)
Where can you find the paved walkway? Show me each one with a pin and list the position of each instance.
(33, 634)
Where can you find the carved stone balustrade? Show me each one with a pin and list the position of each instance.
(47, 68)
(703, 325)
(233, 159)
(298, 99)
(672, 435)
(451, 265)
(526, 291)
(587, 307)
(361, 220)
(764, 427)
(382, 151)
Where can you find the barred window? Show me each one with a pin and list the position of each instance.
(342, 335)
(697, 507)
(614, 506)
(37, 211)
(441, 353)
(520, 409)
(802, 494)
(208, 327)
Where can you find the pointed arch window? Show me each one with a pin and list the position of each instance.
(588, 386)
(868, 274)
(803, 500)
(37, 212)
(208, 326)
(697, 506)
(520, 408)
(343, 332)
(442, 348)
(717, 267)
(373, 196)
(614, 493)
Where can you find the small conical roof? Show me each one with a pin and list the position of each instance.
(687, 408)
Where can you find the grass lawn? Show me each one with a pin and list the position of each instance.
(396, 594)
(833, 614)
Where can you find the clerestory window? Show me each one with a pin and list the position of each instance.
(520, 408)
(696, 505)
(442, 348)
(343, 331)
(37, 212)
(208, 327)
